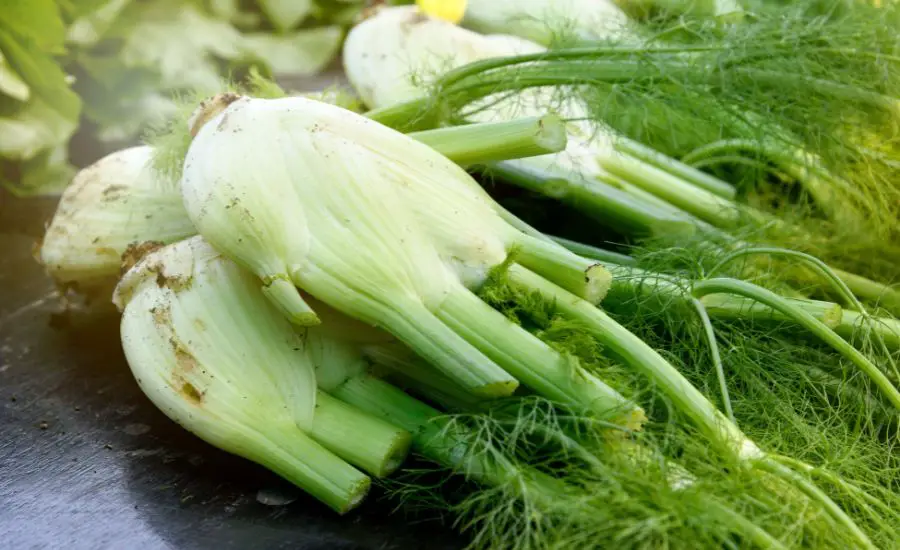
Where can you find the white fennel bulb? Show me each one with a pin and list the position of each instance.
(309, 195)
(544, 20)
(213, 354)
(118, 201)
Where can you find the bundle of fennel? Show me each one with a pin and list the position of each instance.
(241, 336)
(319, 293)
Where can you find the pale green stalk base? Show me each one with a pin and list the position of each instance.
(730, 307)
(362, 440)
(674, 190)
(285, 296)
(431, 436)
(593, 252)
(313, 468)
(530, 360)
(854, 326)
(872, 291)
(580, 276)
(603, 201)
(448, 445)
(490, 142)
(638, 355)
(400, 362)
(684, 171)
(449, 352)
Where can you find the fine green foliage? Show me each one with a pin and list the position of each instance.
(822, 86)
(789, 394)
(171, 138)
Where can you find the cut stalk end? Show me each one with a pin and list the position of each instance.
(496, 389)
(427, 334)
(285, 296)
(580, 276)
(367, 442)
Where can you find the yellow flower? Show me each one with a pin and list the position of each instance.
(448, 10)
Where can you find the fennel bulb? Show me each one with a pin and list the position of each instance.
(307, 194)
(544, 20)
(214, 355)
(392, 56)
(118, 201)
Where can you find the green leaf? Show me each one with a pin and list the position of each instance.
(47, 174)
(133, 116)
(231, 11)
(90, 26)
(11, 83)
(286, 14)
(37, 21)
(34, 127)
(182, 44)
(73, 9)
(41, 73)
(303, 52)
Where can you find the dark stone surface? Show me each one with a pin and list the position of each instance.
(86, 461)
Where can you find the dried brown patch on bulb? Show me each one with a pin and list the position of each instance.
(136, 251)
(209, 108)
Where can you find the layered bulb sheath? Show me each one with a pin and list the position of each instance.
(118, 201)
(216, 357)
(378, 226)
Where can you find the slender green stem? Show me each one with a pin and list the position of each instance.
(832, 276)
(310, 466)
(817, 495)
(369, 443)
(419, 329)
(285, 296)
(854, 325)
(791, 159)
(401, 362)
(688, 399)
(603, 201)
(549, 68)
(680, 169)
(684, 195)
(641, 357)
(735, 159)
(815, 263)
(883, 295)
(730, 307)
(580, 276)
(862, 498)
(445, 443)
(409, 116)
(530, 360)
(801, 317)
(594, 252)
(714, 355)
(756, 534)
(488, 142)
